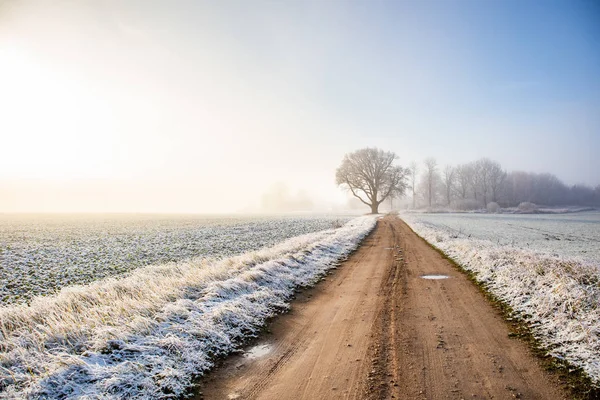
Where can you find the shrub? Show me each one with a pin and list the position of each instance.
(527, 207)
(493, 207)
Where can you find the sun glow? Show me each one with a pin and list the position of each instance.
(51, 128)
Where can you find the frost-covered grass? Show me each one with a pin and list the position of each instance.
(557, 296)
(40, 254)
(575, 236)
(146, 335)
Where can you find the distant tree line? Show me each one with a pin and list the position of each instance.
(479, 183)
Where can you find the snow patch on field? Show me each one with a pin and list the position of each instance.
(149, 334)
(558, 297)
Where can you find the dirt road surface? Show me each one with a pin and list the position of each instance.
(375, 329)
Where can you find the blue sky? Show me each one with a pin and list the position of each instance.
(156, 96)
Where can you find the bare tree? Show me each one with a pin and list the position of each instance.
(431, 175)
(475, 178)
(519, 187)
(490, 177)
(484, 181)
(483, 167)
(371, 177)
(497, 176)
(550, 190)
(463, 180)
(413, 169)
(448, 177)
(542, 188)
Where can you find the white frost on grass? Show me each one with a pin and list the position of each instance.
(558, 297)
(148, 335)
(40, 254)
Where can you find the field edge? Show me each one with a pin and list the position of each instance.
(579, 384)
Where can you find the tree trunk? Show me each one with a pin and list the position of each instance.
(374, 208)
(430, 190)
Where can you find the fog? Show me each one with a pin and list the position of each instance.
(235, 106)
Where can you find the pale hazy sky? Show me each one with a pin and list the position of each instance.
(202, 106)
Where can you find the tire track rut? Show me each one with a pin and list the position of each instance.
(374, 329)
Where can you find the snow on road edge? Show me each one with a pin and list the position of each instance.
(147, 336)
(558, 298)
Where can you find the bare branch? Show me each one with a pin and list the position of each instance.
(372, 172)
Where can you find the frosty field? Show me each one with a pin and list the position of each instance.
(40, 254)
(574, 235)
(147, 333)
(546, 267)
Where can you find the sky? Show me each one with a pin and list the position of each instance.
(213, 106)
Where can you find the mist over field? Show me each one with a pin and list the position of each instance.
(217, 107)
